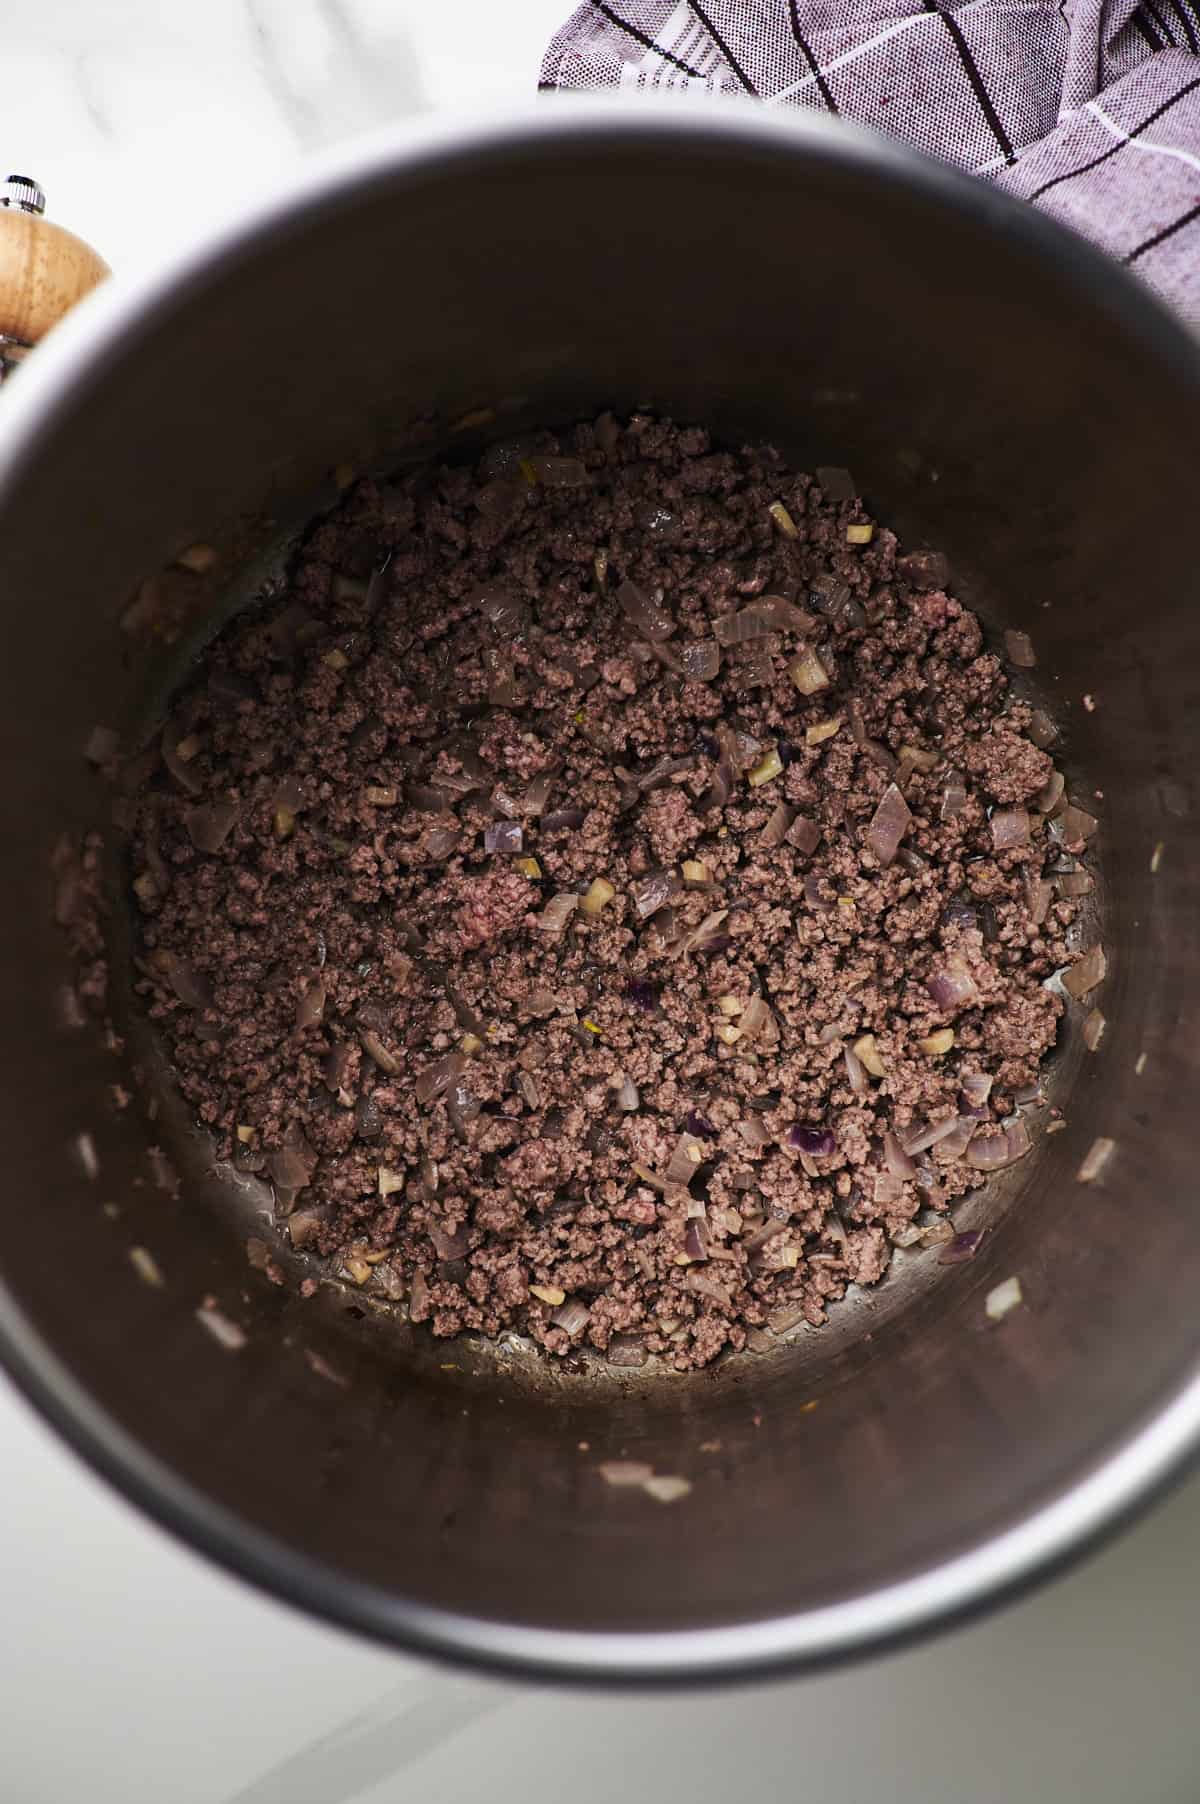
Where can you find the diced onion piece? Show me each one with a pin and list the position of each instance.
(952, 986)
(808, 673)
(925, 1137)
(600, 893)
(387, 1061)
(708, 932)
(702, 1286)
(804, 834)
(783, 520)
(572, 1317)
(954, 796)
(470, 1044)
(389, 1181)
(650, 620)
(1095, 1160)
(437, 1078)
(310, 1006)
(1074, 826)
(1051, 797)
(860, 533)
(666, 1487)
(549, 1294)
(898, 1162)
(976, 1089)
(1002, 1298)
(889, 823)
(855, 1071)
(695, 873)
(962, 1246)
(821, 730)
(728, 1034)
(1038, 894)
(1042, 729)
(756, 1018)
(625, 1350)
(1019, 648)
(1093, 1030)
(867, 1052)
(654, 892)
(991, 1152)
(951, 1146)
(1010, 827)
(730, 1005)
(209, 825)
(1087, 973)
(1074, 883)
(503, 836)
(628, 1097)
(284, 823)
(935, 1045)
(557, 912)
(775, 831)
(529, 867)
(766, 770)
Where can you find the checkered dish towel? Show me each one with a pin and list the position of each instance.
(1090, 108)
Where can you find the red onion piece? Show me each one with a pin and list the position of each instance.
(755, 1019)
(1074, 826)
(695, 1240)
(992, 1152)
(1010, 827)
(643, 995)
(650, 619)
(1019, 648)
(776, 828)
(557, 912)
(449, 1246)
(503, 836)
(1042, 729)
(754, 1133)
(856, 1071)
(337, 1066)
(896, 1158)
(291, 1165)
(439, 843)
(538, 793)
(375, 1049)
(560, 820)
(973, 1099)
(418, 1298)
(805, 835)
(1086, 973)
(310, 1006)
(625, 1350)
(571, 1317)
(963, 1246)
(654, 892)
(464, 1014)
(921, 1139)
(701, 1286)
(817, 1142)
(954, 796)
(951, 986)
(700, 660)
(953, 1145)
(708, 935)
(427, 798)
(1050, 800)
(889, 823)
(209, 825)
(889, 1188)
(687, 1156)
(437, 1078)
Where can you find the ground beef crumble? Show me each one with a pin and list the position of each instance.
(373, 935)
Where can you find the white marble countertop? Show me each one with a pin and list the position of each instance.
(132, 1671)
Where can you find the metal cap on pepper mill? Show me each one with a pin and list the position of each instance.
(44, 270)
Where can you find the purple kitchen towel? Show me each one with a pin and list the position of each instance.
(1089, 108)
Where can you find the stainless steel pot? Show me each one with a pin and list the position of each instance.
(1001, 391)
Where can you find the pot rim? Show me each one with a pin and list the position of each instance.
(1093, 1506)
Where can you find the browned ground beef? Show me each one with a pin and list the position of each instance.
(468, 1097)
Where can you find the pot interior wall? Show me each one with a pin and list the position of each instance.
(994, 401)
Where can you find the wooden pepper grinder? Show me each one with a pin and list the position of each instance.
(44, 270)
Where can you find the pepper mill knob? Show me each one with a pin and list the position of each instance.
(44, 269)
